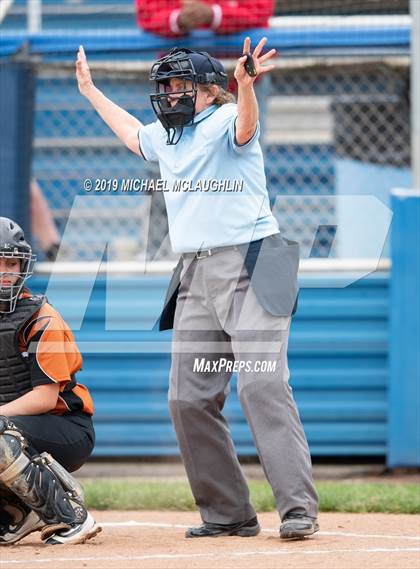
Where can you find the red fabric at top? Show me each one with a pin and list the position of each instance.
(236, 15)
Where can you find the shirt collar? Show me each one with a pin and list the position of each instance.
(204, 114)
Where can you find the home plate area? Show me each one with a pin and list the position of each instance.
(155, 540)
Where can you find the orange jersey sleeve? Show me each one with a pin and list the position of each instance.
(53, 357)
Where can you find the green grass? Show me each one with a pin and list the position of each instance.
(138, 494)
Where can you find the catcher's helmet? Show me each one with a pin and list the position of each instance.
(13, 246)
(199, 67)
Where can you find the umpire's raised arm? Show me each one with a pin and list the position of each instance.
(125, 126)
(246, 122)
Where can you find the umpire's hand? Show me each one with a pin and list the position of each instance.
(241, 76)
(83, 76)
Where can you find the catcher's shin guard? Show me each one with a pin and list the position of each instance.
(68, 482)
(34, 480)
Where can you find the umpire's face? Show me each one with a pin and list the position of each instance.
(179, 87)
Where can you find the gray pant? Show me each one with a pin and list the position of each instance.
(218, 316)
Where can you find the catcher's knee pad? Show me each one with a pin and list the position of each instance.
(12, 458)
(39, 481)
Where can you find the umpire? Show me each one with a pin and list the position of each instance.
(233, 291)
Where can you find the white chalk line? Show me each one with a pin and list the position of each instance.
(173, 556)
(132, 523)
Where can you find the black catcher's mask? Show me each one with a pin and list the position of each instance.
(196, 66)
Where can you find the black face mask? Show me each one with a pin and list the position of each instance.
(174, 117)
(187, 65)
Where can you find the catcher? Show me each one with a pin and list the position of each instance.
(46, 426)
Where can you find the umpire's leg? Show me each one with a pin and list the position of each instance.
(196, 399)
(267, 400)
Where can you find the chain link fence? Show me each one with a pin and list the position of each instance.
(319, 111)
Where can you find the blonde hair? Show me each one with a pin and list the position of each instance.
(222, 96)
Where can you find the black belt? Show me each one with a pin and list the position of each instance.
(203, 253)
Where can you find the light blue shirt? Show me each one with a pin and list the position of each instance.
(206, 160)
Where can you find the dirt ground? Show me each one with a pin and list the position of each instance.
(155, 540)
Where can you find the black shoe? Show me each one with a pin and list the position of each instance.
(297, 526)
(15, 532)
(77, 533)
(248, 528)
(17, 520)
